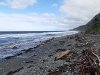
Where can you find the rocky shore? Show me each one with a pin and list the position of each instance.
(40, 60)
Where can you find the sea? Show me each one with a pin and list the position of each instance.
(12, 42)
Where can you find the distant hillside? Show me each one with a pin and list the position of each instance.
(80, 28)
(92, 27)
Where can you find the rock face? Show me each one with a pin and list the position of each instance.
(92, 27)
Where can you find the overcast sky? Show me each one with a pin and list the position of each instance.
(46, 15)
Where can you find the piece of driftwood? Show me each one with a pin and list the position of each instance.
(64, 54)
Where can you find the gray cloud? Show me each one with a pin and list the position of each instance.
(79, 11)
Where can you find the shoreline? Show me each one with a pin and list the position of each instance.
(12, 49)
(40, 60)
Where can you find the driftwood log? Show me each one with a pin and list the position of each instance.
(64, 54)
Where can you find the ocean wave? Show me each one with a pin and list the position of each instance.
(26, 40)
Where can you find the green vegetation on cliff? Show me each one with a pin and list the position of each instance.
(93, 27)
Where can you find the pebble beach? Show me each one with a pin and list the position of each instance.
(40, 60)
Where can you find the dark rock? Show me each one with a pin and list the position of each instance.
(14, 47)
(45, 60)
(28, 50)
(50, 55)
(41, 68)
(59, 50)
(70, 37)
(30, 66)
(34, 55)
(69, 45)
(18, 54)
(29, 61)
(9, 57)
(13, 72)
(37, 46)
